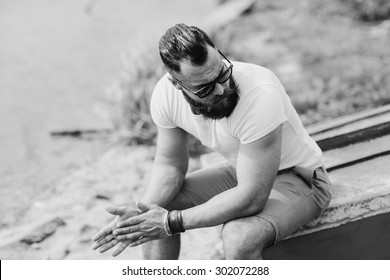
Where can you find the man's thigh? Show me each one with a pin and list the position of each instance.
(293, 202)
(201, 185)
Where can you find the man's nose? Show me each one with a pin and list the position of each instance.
(218, 90)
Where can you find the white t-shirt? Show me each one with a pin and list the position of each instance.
(262, 107)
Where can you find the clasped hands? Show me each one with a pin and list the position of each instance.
(131, 227)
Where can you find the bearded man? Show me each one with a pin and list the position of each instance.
(274, 181)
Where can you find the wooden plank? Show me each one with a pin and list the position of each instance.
(352, 128)
(336, 140)
(357, 161)
(342, 121)
(367, 239)
(356, 153)
(360, 183)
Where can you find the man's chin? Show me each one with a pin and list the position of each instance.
(219, 108)
(222, 110)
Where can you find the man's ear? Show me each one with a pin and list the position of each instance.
(174, 83)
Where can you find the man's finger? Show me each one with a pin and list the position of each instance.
(108, 246)
(140, 241)
(130, 222)
(131, 236)
(143, 207)
(125, 230)
(116, 210)
(102, 233)
(121, 247)
(103, 241)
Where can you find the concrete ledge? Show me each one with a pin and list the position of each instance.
(350, 211)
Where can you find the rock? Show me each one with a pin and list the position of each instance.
(43, 231)
(102, 197)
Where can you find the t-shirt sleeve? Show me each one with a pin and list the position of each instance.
(161, 106)
(260, 112)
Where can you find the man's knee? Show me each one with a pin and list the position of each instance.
(246, 238)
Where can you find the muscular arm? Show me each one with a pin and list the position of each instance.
(257, 166)
(169, 168)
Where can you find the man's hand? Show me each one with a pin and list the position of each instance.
(104, 240)
(144, 227)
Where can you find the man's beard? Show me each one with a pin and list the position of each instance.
(219, 106)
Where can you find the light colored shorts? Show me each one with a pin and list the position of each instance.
(298, 195)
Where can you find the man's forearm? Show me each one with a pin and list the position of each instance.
(226, 206)
(164, 184)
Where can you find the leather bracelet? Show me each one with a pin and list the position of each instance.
(166, 225)
(180, 220)
(174, 223)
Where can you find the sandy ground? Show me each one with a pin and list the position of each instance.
(57, 58)
(61, 222)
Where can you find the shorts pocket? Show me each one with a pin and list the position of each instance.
(322, 188)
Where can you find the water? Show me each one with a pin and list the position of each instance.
(56, 59)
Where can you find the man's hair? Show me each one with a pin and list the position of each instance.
(182, 42)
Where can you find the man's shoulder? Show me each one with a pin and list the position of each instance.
(247, 66)
(167, 98)
(163, 83)
(164, 89)
(253, 75)
(260, 91)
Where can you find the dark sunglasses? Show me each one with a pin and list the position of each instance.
(209, 88)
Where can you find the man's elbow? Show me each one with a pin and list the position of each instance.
(253, 207)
